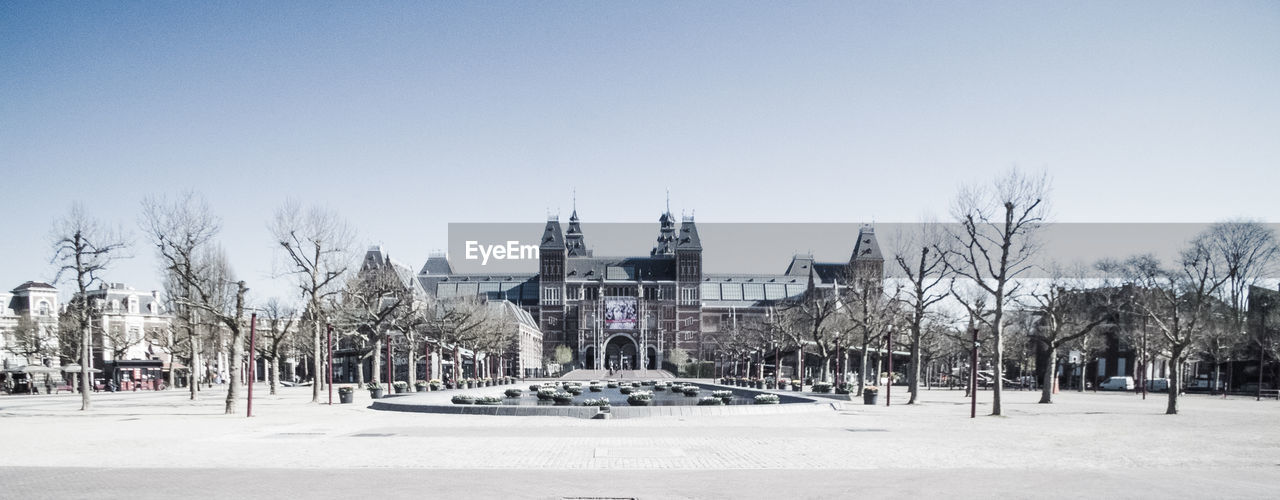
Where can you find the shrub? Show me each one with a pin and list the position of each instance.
(534, 387)
(766, 399)
(689, 390)
(562, 398)
(844, 388)
(640, 398)
(596, 388)
(710, 401)
(636, 384)
(463, 399)
(400, 384)
(722, 394)
(626, 389)
(823, 387)
(372, 385)
(489, 400)
(596, 402)
(660, 387)
(513, 393)
(613, 384)
(547, 393)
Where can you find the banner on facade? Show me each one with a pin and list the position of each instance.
(620, 313)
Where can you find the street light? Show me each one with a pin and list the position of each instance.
(973, 377)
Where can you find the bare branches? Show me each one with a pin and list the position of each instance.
(84, 247)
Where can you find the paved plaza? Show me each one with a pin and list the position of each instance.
(157, 445)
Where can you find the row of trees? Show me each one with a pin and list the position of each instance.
(211, 307)
(977, 274)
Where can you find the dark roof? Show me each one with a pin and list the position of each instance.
(830, 272)
(437, 264)
(32, 285)
(800, 265)
(666, 244)
(662, 268)
(688, 238)
(867, 248)
(552, 237)
(574, 239)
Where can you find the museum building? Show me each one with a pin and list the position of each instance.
(633, 312)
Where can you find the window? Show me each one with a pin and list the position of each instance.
(689, 295)
(551, 296)
(44, 309)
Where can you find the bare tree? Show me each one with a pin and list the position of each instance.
(374, 303)
(317, 245)
(1065, 311)
(1178, 300)
(84, 248)
(277, 337)
(871, 315)
(31, 338)
(995, 244)
(923, 262)
(183, 234)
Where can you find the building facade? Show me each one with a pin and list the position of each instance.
(636, 312)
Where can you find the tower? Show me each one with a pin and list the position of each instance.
(866, 265)
(688, 252)
(551, 277)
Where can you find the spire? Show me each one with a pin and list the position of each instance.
(573, 237)
(666, 244)
(552, 237)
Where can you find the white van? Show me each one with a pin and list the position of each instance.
(1117, 384)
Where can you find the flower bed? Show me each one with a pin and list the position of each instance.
(766, 399)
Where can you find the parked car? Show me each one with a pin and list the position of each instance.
(1158, 385)
(1117, 384)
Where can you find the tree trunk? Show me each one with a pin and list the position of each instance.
(85, 376)
(233, 371)
(377, 361)
(998, 369)
(194, 383)
(316, 359)
(913, 377)
(1175, 381)
(862, 367)
(275, 374)
(413, 367)
(1046, 392)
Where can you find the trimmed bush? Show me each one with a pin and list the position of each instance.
(547, 393)
(640, 398)
(767, 399)
(690, 390)
(513, 393)
(463, 399)
(489, 400)
(562, 398)
(822, 387)
(596, 402)
(710, 401)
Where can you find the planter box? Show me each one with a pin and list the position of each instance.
(870, 398)
(346, 397)
(375, 393)
(399, 390)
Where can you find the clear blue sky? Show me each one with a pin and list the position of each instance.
(406, 116)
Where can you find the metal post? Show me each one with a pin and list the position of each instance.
(330, 375)
(389, 381)
(253, 343)
(888, 386)
(973, 378)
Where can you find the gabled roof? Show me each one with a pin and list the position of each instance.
(437, 264)
(867, 247)
(552, 236)
(687, 238)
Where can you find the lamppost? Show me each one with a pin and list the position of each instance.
(888, 386)
(973, 377)
(329, 327)
(253, 345)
